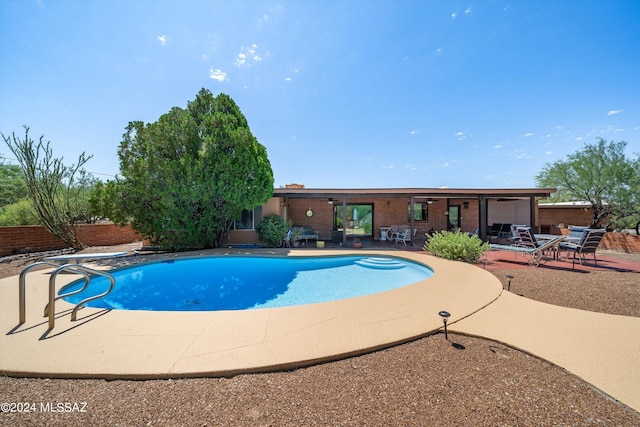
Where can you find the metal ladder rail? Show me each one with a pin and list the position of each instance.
(52, 290)
(22, 288)
(87, 280)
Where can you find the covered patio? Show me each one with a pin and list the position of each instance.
(340, 215)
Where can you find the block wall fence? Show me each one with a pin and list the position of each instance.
(34, 238)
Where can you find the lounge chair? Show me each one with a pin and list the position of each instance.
(526, 238)
(588, 244)
(529, 246)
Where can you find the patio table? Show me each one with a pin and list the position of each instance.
(384, 233)
(546, 237)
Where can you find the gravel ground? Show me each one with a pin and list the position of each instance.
(428, 382)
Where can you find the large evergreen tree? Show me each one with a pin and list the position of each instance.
(188, 176)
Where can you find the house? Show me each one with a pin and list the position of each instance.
(342, 214)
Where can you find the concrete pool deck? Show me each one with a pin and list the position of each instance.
(599, 348)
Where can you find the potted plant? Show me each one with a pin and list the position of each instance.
(296, 234)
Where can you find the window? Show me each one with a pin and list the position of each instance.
(249, 219)
(420, 211)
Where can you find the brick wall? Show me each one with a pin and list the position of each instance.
(621, 242)
(35, 238)
(386, 212)
(567, 216)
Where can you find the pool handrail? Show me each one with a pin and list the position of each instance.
(22, 288)
(78, 268)
(87, 280)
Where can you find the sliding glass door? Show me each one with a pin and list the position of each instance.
(359, 219)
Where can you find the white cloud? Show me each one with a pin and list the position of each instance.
(248, 54)
(528, 134)
(467, 10)
(413, 132)
(579, 138)
(389, 166)
(241, 59)
(439, 51)
(454, 14)
(497, 146)
(548, 153)
(162, 39)
(287, 79)
(217, 74)
(612, 112)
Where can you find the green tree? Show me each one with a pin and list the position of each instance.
(189, 175)
(13, 185)
(59, 193)
(19, 213)
(601, 174)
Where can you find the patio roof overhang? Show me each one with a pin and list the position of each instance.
(319, 193)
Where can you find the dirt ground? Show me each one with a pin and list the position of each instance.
(427, 382)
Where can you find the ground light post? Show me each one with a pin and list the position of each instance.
(509, 277)
(445, 316)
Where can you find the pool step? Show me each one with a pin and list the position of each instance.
(380, 263)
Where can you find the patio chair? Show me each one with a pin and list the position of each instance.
(286, 240)
(575, 233)
(394, 231)
(494, 231)
(405, 236)
(588, 244)
(530, 247)
(505, 231)
(513, 234)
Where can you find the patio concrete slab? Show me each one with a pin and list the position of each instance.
(602, 349)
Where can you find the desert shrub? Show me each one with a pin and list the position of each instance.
(455, 245)
(272, 229)
(19, 213)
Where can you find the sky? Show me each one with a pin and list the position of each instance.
(343, 94)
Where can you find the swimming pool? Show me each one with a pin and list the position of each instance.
(248, 282)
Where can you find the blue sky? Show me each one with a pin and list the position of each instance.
(351, 94)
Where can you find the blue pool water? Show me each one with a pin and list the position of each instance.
(246, 282)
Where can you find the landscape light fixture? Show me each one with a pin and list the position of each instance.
(509, 277)
(445, 316)
(330, 200)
